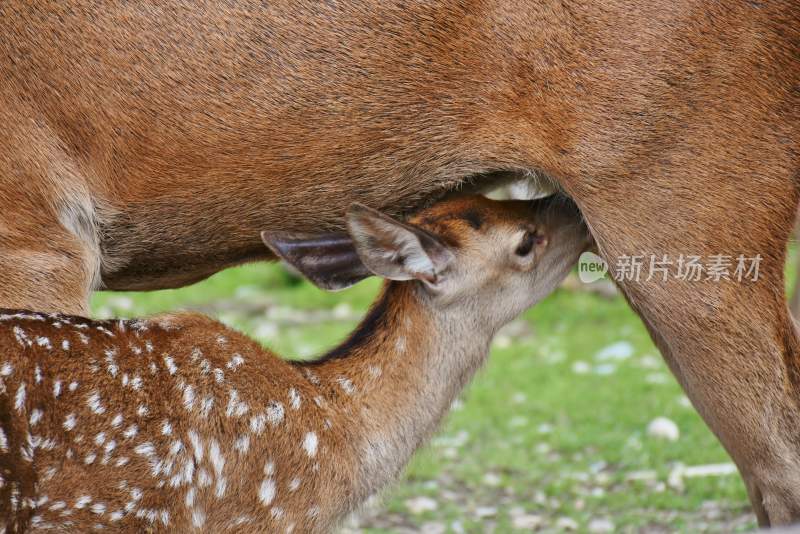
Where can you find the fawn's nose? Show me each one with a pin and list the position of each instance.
(558, 214)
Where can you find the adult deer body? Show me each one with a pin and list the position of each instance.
(140, 137)
(178, 424)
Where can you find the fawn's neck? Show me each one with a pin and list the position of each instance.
(399, 372)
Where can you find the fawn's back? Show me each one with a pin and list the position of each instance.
(131, 409)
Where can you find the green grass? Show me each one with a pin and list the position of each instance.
(531, 435)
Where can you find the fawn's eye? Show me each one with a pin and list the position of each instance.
(526, 245)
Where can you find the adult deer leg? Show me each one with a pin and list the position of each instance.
(731, 344)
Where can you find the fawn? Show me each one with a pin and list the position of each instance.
(178, 423)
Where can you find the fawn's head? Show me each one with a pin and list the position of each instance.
(501, 256)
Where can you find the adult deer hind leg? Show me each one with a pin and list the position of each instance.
(732, 345)
(49, 246)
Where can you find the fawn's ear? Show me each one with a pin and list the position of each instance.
(329, 261)
(394, 250)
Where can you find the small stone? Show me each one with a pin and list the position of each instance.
(342, 311)
(121, 303)
(451, 453)
(482, 512)
(266, 330)
(605, 369)
(545, 428)
(502, 342)
(600, 526)
(566, 523)
(492, 479)
(519, 398)
(433, 528)
(663, 428)
(518, 421)
(657, 378)
(527, 521)
(619, 351)
(420, 505)
(581, 367)
(649, 361)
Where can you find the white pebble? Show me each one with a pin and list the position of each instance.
(420, 505)
(663, 428)
(600, 526)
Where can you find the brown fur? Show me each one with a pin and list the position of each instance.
(190, 127)
(179, 424)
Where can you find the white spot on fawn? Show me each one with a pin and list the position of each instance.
(37, 375)
(235, 406)
(93, 401)
(70, 422)
(275, 413)
(266, 492)
(235, 362)
(206, 405)
(346, 384)
(19, 398)
(221, 486)
(294, 399)
(170, 363)
(242, 444)
(312, 377)
(188, 397)
(136, 383)
(56, 388)
(197, 445)
(36, 416)
(189, 499)
(203, 478)
(217, 460)
(145, 449)
(198, 518)
(310, 442)
(22, 338)
(6, 369)
(113, 369)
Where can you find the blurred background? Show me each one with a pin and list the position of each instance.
(575, 424)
